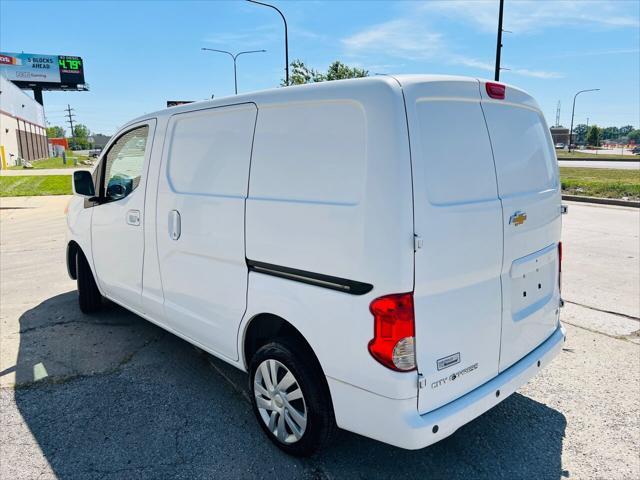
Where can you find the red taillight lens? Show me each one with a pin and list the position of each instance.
(560, 266)
(495, 90)
(394, 331)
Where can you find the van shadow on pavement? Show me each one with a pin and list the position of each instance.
(124, 399)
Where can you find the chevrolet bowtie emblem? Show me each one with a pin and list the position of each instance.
(518, 218)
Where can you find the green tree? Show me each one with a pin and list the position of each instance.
(339, 71)
(301, 73)
(634, 135)
(55, 132)
(80, 131)
(594, 135)
(579, 133)
(80, 139)
(624, 131)
(610, 133)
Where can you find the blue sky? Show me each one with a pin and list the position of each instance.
(137, 55)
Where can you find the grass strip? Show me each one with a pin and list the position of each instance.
(54, 162)
(28, 185)
(601, 182)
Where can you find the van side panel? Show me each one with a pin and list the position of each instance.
(202, 190)
(330, 193)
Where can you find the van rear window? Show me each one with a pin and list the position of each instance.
(523, 152)
(458, 166)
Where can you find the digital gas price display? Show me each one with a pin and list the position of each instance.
(71, 71)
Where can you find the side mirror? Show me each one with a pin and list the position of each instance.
(83, 184)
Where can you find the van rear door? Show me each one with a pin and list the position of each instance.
(529, 188)
(458, 219)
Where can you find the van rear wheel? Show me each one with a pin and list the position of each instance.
(290, 399)
(89, 297)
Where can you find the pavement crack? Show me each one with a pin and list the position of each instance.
(616, 337)
(58, 380)
(68, 322)
(243, 393)
(630, 317)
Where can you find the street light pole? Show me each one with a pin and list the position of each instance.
(234, 57)
(286, 37)
(573, 111)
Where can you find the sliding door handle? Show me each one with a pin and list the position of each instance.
(175, 226)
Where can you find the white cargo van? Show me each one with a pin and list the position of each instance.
(380, 255)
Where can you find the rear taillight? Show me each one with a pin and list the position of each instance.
(560, 266)
(394, 331)
(495, 90)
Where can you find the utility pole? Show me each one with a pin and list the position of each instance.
(499, 44)
(70, 116)
(558, 115)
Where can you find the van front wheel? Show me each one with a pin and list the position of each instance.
(89, 296)
(290, 399)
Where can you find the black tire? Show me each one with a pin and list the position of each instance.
(321, 423)
(89, 297)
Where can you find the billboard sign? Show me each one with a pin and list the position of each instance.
(47, 71)
(175, 103)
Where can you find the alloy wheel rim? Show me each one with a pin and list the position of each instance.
(280, 401)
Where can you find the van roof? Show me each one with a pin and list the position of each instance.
(316, 91)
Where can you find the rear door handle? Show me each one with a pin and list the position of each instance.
(175, 226)
(133, 217)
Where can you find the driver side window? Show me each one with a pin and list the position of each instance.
(124, 163)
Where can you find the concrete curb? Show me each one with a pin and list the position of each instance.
(634, 158)
(601, 201)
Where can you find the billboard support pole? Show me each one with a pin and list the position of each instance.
(37, 95)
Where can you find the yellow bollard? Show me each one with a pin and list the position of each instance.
(3, 158)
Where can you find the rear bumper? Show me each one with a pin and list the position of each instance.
(398, 423)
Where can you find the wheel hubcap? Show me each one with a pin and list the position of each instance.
(280, 402)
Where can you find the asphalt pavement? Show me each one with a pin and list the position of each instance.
(112, 396)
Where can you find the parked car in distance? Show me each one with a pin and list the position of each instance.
(95, 153)
(560, 145)
(636, 150)
(327, 240)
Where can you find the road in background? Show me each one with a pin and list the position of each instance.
(112, 396)
(622, 165)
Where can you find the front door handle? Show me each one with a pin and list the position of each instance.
(174, 224)
(133, 217)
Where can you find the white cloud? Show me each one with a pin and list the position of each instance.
(399, 38)
(255, 38)
(528, 16)
(595, 53)
(490, 67)
(471, 62)
(411, 39)
(525, 72)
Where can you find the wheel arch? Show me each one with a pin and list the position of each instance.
(263, 327)
(72, 250)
